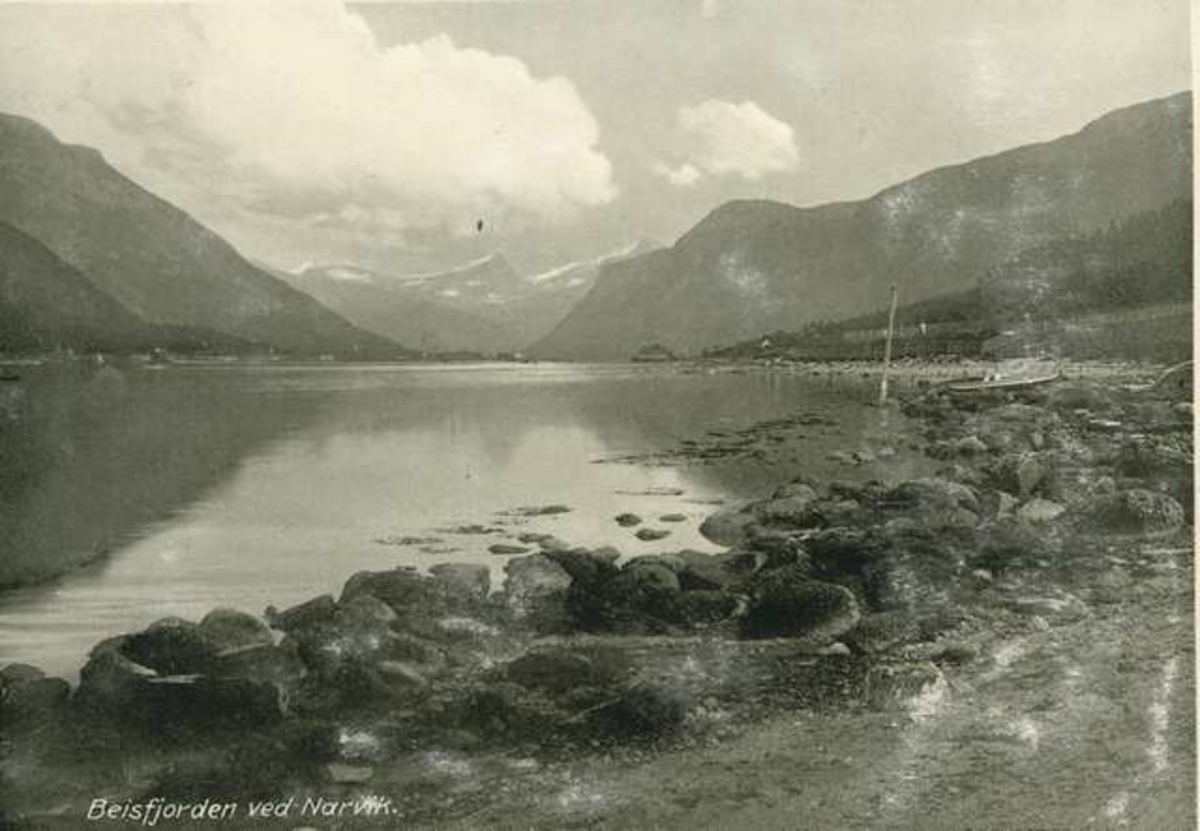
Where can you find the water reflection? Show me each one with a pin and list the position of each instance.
(246, 486)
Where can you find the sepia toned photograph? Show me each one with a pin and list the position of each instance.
(597, 414)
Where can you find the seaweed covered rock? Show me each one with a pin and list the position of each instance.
(231, 629)
(310, 613)
(533, 579)
(787, 603)
(1138, 511)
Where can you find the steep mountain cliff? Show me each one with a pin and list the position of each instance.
(757, 266)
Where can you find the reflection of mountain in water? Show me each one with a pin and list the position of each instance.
(89, 459)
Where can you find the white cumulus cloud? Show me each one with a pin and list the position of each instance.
(720, 138)
(302, 108)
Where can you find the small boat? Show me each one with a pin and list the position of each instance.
(1000, 383)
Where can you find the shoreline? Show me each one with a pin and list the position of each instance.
(831, 598)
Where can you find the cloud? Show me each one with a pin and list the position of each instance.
(724, 139)
(684, 176)
(306, 114)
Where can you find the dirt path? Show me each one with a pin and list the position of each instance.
(1084, 719)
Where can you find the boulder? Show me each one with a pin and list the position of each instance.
(313, 612)
(1139, 511)
(1039, 511)
(29, 699)
(628, 520)
(652, 534)
(970, 446)
(171, 646)
(505, 548)
(365, 612)
(558, 671)
(727, 527)
(530, 578)
(230, 630)
(883, 631)
(583, 564)
(110, 681)
(403, 589)
(653, 576)
(473, 581)
(786, 603)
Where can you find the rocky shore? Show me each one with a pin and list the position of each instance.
(448, 694)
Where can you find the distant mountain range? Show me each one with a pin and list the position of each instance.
(153, 259)
(752, 267)
(483, 306)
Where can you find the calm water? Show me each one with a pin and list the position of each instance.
(244, 486)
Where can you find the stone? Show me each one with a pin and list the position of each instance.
(400, 588)
(787, 604)
(970, 446)
(533, 577)
(1038, 511)
(583, 565)
(110, 681)
(230, 630)
(343, 774)
(628, 520)
(1139, 511)
(16, 674)
(673, 518)
(313, 612)
(653, 576)
(31, 702)
(698, 608)
(171, 646)
(1031, 470)
(279, 665)
(558, 671)
(908, 686)
(365, 612)
(506, 548)
(553, 543)
(652, 534)
(402, 673)
(883, 631)
(935, 491)
(727, 527)
(474, 581)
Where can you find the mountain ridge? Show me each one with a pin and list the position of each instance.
(753, 266)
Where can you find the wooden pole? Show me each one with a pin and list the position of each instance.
(887, 351)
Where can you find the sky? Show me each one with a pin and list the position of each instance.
(381, 134)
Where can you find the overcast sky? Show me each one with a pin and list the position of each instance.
(379, 134)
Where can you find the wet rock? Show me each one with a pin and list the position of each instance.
(506, 548)
(727, 527)
(673, 518)
(628, 520)
(110, 681)
(473, 581)
(904, 686)
(16, 674)
(653, 576)
(1039, 511)
(552, 543)
(313, 612)
(786, 603)
(531, 578)
(365, 612)
(171, 646)
(704, 572)
(652, 534)
(584, 565)
(1139, 511)
(400, 588)
(230, 630)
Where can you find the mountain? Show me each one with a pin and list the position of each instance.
(45, 304)
(153, 258)
(757, 266)
(383, 305)
(481, 306)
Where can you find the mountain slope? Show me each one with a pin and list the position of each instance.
(46, 304)
(152, 257)
(757, 266)
(482, 306)
(382, 305)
